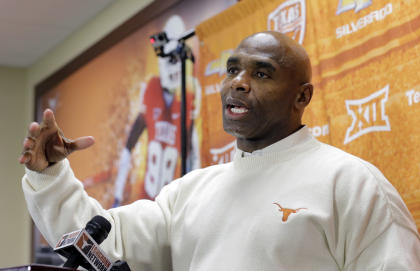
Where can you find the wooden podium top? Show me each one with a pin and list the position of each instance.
(36, 267)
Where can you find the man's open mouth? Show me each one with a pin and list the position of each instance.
(237, 109)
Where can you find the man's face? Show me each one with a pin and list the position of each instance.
(258, 93)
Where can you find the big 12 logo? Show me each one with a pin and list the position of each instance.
(368, 115)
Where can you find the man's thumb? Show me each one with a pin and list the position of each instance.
(82, 143)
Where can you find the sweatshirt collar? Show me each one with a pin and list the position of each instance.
(284, 144)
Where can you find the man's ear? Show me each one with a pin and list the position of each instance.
(304, 95)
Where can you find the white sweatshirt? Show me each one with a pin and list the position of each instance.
(296, 205)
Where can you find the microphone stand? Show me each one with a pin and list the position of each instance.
(184, 53)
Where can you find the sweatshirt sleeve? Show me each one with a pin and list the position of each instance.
(377, 229)
(140, 231)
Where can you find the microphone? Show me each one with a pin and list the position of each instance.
(120, 266)
(81, 247)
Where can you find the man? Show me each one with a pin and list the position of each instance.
(160, 112)
(286, 202)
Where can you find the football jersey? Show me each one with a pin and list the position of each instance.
(164, 136)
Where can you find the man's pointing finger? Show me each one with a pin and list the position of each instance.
(49, 119)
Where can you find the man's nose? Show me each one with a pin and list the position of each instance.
(241, 82)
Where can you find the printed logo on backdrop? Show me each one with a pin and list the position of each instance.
(413, 97)
(318, 131)
(289, 18)
(217, 66)
(368, 115)
(224, 154)
(357, 5)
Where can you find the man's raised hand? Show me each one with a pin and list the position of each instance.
(46, 144)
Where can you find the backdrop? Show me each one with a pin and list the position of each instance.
(365, 57)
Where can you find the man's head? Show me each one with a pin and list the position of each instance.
(266, 90)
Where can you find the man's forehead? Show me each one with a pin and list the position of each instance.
(253, 59)
(261, 46)
(262, 40)
(278, 49)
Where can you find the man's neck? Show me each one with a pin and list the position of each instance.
(251, 145)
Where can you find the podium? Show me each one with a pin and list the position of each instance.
(36, 267)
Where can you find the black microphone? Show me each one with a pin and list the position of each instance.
(81, 248)
(120, 266)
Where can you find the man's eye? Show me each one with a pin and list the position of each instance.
(261, 75)
(232, 70)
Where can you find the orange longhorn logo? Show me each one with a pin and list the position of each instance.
(287, 212)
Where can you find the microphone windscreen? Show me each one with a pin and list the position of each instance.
(98, 228)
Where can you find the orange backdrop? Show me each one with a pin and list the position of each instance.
(102, 99)
(365, 57)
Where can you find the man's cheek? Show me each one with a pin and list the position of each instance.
(223, 92)
(225, 83)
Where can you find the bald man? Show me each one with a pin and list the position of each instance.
(285, 202)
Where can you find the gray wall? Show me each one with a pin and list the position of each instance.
(15, 222)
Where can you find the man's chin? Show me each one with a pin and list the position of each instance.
(235, 131)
